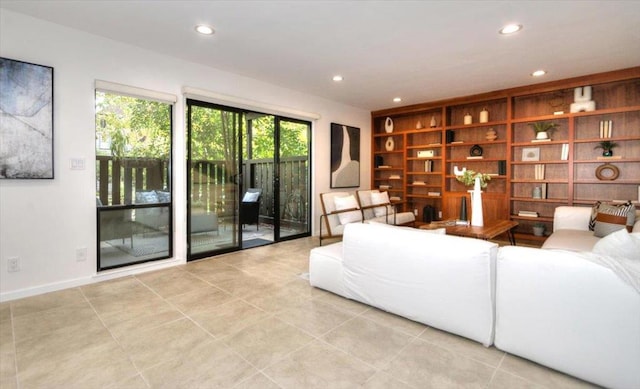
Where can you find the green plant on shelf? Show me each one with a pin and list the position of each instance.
(607, 147)
(468, 178)
(543, 127)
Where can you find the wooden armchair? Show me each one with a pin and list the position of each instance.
(337, 213)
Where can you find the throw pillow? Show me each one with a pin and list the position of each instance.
(149, 197)
(348, 202)
(250, 197)
(163, 196)
(619, 244)
(379, 198)
(607, 218)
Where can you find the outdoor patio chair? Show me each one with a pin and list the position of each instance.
(250, 207)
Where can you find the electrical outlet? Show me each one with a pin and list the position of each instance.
(81, 254)
(13, 264)
(439, 214)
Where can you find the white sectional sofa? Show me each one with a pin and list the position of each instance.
(559, 309)
(571, 229)
(442, 281)
(555, 307)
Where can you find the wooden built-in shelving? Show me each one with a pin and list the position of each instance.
(569, 181)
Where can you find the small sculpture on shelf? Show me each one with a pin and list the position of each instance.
(419, 125)
(543, 130)
(388, 125)
(607, 147)
(582, 100)
(491, 134)
(389, 145)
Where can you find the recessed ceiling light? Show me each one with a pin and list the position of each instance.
(204, 29)
(397, 99)
(337, 78)
(510, 29)
(539, 73)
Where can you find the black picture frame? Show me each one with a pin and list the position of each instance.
(345, 156)
(26, 127)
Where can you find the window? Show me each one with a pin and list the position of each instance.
(133, 178)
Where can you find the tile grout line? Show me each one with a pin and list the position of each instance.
(115, 339)
(495, 371)
(15, 348)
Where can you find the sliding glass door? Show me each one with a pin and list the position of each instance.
(248, 196)
(213, 179)
(293, 178)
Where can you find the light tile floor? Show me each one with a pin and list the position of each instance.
(242, 320)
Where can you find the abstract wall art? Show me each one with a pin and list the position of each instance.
(345, 156)
(26, 120)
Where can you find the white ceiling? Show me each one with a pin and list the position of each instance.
(418, 50)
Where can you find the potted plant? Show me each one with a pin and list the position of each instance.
(543, 130)
(538, 229)
(607, 147)
(468, 178)
(480, 180)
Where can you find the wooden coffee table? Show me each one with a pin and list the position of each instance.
(488, 231)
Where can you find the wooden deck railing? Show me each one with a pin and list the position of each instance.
(212, 185)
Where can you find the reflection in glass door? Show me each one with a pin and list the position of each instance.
(293, 177)
(213, 160)
(249, 196)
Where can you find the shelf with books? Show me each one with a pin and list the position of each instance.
(569, 158)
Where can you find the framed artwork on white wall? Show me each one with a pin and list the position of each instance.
(26, 123)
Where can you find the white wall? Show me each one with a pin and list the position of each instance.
(43, 222)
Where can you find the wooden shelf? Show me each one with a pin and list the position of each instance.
(532, 200)
(612, 139)
(622, 160)
(533, 219)
(529, 181)
(572, 181)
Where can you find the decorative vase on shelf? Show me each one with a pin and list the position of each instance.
(477, 218)
(388, 125)
(463, 208)
(468, 119)
(419, 125)
(484, 116)
(491, 134)
(538, 231)
(389, 144)
(433, 122)
(542, 135)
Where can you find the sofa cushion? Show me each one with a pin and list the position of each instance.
(443, 281)
(163, 196)
(607, 218)
(573, 240)
(620, 244)
(380, 198)
(348, 202)
(250, 197)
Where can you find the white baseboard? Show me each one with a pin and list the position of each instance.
(98, 277)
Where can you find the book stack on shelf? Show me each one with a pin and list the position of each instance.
(606, 127)
(564, 155)
(539, 172)
(528, 213)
